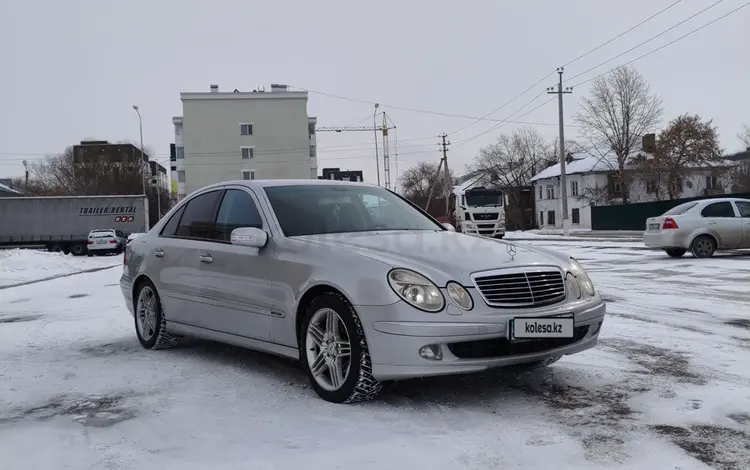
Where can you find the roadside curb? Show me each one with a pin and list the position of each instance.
(92, 270)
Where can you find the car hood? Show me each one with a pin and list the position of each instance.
(442, 255)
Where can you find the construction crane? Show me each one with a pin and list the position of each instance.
(384, 128)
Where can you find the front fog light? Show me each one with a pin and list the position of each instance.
(459, 295)
(574, 288)
(431, 352)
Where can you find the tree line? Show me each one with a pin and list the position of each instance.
(618, 111)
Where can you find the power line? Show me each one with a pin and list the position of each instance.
(665, 45)
(647, 40)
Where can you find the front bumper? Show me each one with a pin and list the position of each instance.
(469, 341)
(486, 229)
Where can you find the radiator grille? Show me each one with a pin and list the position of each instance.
(522, 289)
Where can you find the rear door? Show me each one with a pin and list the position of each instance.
(744, 210)
(174, 258)
(721, 220)
(238, 295)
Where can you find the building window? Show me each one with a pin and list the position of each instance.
(576, 216)
(311, 128)
(179, 152)
(247, 153)
(550, 192)
(541, 195)
(313, 151)
(248, 174)
(246, 129)
(541, 215)
(550, 217)
(574, 188)
(712, 182)
(181, 176)
(652, 187)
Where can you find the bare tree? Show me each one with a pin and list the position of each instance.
(616, 115)
(685, 144)
(416, 181)
(745, 135)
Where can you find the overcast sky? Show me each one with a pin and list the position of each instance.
(71, 70)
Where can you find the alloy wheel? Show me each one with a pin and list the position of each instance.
(328, 349)
(146, 313)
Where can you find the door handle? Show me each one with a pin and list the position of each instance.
(206, 258)
(159, 253)
(712, 223)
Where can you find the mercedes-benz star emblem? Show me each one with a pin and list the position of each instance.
(511, 250)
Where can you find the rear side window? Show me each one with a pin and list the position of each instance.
(718, 209)
(744, 208)
(198, 219)
(238, 209)
(681, 209)
(170, 228)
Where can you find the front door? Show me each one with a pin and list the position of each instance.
(235, 279)
(722, 221)
(744, 209)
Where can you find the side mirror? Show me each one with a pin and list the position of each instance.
(249, 236)
(449, 227)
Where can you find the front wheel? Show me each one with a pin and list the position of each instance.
(334, 351)
(675, 252)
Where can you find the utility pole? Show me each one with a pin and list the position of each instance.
(386, 153)
(26, 182)
(563, 178)
(446, 175)
(375, 129)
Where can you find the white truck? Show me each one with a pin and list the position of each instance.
(480, 211)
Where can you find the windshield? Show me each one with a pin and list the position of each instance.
(681, 209)
(323, 209)
(484, 199)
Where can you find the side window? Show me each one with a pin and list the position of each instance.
(237, 209)
(744, 208)
(170, 228)
(718, 209)
(198, 219)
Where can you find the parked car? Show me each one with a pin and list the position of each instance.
(104, 241)
(303, 269)
(701, 227)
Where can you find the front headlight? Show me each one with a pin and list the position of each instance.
(583, 278)
(416, 290)
(459, 295)
(574, 287)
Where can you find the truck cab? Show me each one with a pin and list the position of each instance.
(481, 211)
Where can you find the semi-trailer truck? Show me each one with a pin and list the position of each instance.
(63, 223)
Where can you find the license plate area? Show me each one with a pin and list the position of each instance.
(101, 242)
(524, 329)
(654, 226)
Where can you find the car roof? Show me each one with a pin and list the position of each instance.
(289, 182)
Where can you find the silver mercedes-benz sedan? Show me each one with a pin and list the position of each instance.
(356, 282)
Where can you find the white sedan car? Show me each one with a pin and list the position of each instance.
(701, 227)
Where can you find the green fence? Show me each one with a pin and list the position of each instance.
(633, 216)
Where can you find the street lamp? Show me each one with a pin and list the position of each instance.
(158, 196)
(26, 182)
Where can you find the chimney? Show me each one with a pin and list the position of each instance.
(214, 88)
(649, 143)
(278, 87)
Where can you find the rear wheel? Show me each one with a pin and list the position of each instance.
(150, 324)
(703, 246)
(334, 351)
(78, 249)
(676, 252)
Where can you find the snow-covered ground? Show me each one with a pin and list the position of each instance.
(667, 388)
(19, 266)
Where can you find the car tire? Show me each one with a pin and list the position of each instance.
(355, 380)
(89, 254)
(499, 237)
(676, 252)
(703, 246)
(152, 332)
(78, 249)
